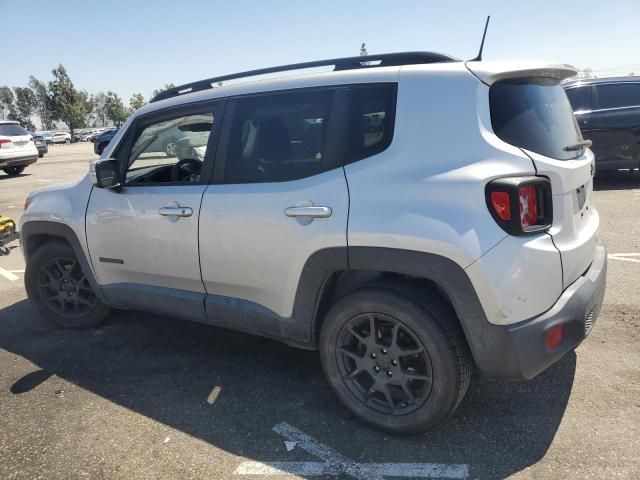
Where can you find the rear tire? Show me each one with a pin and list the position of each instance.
(11, 171)
(407, 377)
(55, 281)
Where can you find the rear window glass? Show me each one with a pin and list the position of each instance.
(580, 98)
(536, 116)
(371, 119)
(12, 129)
(618, 95)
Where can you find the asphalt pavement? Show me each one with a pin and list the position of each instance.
(150, 397)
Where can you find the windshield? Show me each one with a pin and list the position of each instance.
(537, 116)
(12, 129)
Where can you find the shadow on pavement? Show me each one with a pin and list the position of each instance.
(165, 369)
(4, 176)
(617, 180)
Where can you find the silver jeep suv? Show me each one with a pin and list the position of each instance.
(413, 217)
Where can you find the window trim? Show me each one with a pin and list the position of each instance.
(216, 106)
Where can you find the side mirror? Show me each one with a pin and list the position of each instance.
(107, 174)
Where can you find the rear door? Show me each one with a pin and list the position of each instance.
(534, 114)
(279, 196)
(616, 125)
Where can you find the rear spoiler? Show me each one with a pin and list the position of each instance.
(491, 72)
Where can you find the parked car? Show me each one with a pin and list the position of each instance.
(102, 140)
(450, 231)
(608, 113)
(17, 148)
(59, 137)
(41, 144)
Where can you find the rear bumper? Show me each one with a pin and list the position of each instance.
(18, 161)
(519, 351)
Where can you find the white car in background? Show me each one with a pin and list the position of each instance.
(60, 137)
(17, 149)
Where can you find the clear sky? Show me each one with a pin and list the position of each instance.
(137, 46)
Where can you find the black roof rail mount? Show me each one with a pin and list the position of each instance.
(348, 63)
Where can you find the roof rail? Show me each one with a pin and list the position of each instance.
(348, 63)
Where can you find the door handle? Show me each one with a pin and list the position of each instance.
(308, 211)
(176, 211)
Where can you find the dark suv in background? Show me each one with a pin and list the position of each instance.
(102, 140)
(608, 113)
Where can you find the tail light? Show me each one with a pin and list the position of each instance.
(520, 205)
(3, 141)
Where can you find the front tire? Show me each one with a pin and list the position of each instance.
(55, 281)
(11, 171)
(398, 361)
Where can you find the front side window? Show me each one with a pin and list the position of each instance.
(371, 121)
(580, 98)
(170, 151)
(278, 137)
(536, 115)
(618, 95)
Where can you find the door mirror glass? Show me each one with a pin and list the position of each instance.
(107, 174)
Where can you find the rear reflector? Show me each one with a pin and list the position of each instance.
(501, 204)
(555, 337)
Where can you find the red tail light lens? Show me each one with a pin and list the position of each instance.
(530, 196)
(3, 141)
(501, 204)
(528, 199)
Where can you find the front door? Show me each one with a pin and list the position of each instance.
(143, 238)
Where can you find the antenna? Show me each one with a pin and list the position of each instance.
(479, 57)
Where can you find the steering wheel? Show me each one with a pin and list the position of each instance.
(177, 172)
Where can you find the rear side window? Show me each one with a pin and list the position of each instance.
(278, 137)
(12, 129)
(371, 121)
(535, 115)
(618, 95)
(580, 98)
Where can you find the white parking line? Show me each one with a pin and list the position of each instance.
(8, 275)
(624, 257)
(334, 464)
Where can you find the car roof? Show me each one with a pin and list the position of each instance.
(9, 122)
(595, 81)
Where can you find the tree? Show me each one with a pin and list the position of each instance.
(167, 86)
(100, 109)
(26, 104)
(67, 104)
(136, 101)
(116, 111)
(43, 103)
(7, 104)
